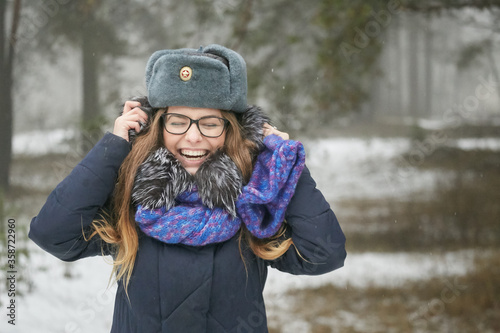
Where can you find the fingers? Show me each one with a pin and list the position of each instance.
(129, 105)
(131, 119)
(268, 130)
(133, 107)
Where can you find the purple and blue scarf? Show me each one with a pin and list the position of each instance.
(210, 207)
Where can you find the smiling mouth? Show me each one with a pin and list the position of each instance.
(194, 155)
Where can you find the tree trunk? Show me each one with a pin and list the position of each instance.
(7, 50)
(429, 77)
(241, 28)
(413, 78)
(402, 32)
(4, 141)
(395, 89)
(3, 68)
(91, 115)
(494, 68)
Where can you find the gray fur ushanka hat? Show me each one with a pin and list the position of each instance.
(198, 78)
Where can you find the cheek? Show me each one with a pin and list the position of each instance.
(219, 141)
(168, 141)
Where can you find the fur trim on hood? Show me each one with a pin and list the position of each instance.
(253, 121)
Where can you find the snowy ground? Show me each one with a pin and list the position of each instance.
(342, 167)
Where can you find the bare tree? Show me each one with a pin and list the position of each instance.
(414, 93)
(429, 70)
(80, 24)
(7, 53)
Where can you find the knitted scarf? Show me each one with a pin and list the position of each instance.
(210, 206)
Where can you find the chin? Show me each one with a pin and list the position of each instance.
(191, 170)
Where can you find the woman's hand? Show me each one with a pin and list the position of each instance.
(268, 130)
(131, 119)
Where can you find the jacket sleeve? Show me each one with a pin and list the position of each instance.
(74, 203)
(319, 243)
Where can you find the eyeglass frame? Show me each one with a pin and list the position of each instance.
(196, 121)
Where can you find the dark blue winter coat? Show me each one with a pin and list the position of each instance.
(179, 288)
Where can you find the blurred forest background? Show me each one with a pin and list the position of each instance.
(424, 72)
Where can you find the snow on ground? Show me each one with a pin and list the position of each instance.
(378, 270)
(372, 168)
(478, 143)
(353, 168)
(343, 168)
(42, 142)
(56, 304)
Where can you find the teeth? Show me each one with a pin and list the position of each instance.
(193, 154)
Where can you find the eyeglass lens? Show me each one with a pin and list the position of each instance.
(210, 126)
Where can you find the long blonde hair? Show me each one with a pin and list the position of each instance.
(118, 227)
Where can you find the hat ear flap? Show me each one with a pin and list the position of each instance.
(150, 65)
(238, 75)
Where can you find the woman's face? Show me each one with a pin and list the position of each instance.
(192, 148)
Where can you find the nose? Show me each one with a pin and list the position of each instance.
(193, 134)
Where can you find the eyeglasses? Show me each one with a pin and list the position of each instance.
(209, 126)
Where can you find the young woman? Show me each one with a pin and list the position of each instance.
(194, 195)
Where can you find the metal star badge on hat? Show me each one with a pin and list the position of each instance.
(186, 73)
